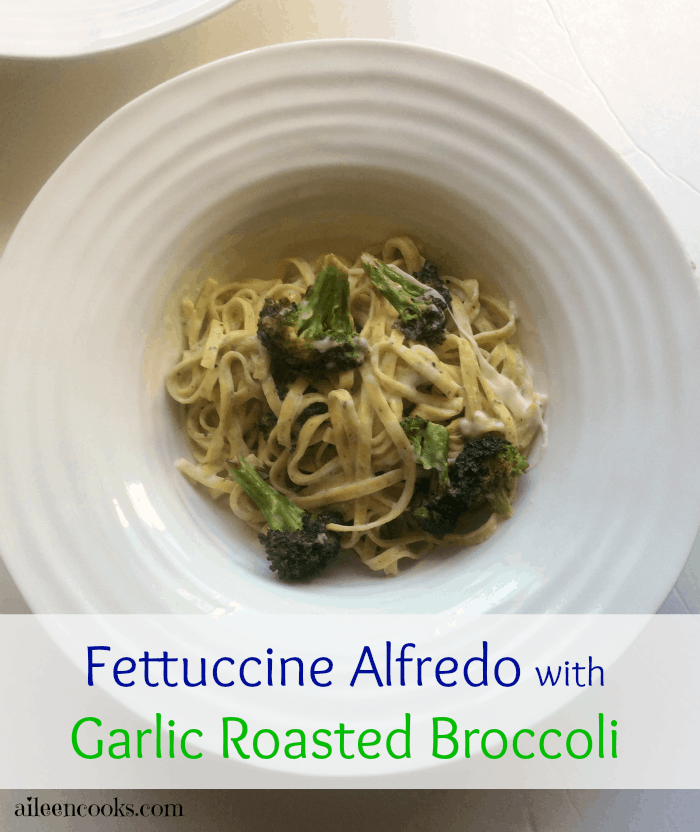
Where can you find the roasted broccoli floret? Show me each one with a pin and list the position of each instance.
(482, 475)
(315, 337)
(505, 470)
(429, 276)
(421, 308)
(298, 545)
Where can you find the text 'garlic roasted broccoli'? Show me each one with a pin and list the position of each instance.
(298, 545)
(315, 337)
(421, 306)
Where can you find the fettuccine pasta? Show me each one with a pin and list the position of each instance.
(339, 443)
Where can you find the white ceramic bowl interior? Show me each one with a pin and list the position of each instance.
(319, 146)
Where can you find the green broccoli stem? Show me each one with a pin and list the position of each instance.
(387, 280)
(280, 512)
(325, 310)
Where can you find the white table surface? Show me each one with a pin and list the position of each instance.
(629, 68)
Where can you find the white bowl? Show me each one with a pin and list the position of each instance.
(68, 28)
(341, 143)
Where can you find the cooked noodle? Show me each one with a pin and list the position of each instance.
(355, 456)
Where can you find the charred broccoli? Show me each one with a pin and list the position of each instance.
(482, 475)
(428, 276)
(312, 338)
(298, 545)
(421, 307)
